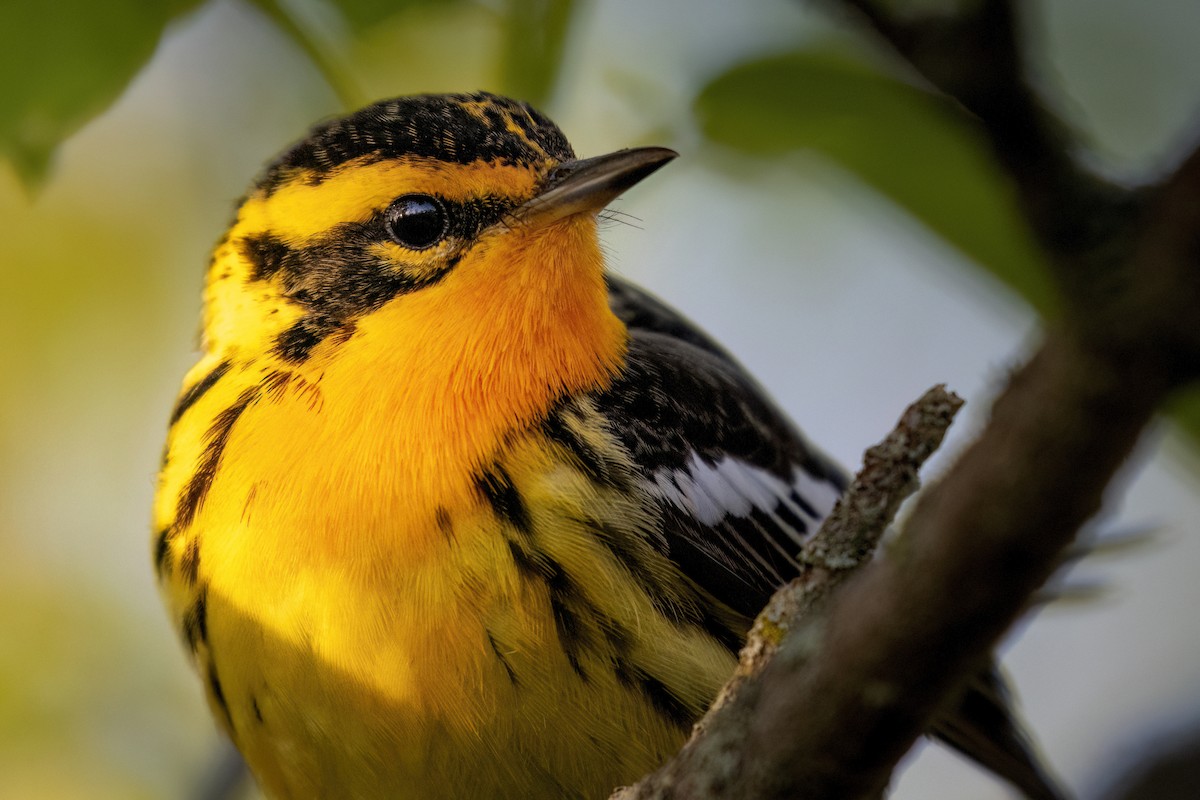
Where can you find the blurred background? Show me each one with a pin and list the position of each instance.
(841, 231)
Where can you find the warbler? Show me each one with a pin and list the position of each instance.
(448, 511)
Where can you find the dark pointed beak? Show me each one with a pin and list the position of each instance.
(590, 184)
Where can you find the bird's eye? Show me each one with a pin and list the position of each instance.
(416, 221)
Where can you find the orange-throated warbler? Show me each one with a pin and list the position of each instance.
(448, 511)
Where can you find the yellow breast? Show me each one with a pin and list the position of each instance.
(392, 582)
(520, 650)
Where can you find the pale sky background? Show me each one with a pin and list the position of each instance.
(845, 309)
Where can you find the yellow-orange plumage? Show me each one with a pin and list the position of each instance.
(445, 511)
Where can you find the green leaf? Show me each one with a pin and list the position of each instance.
(63, 63)
(535, 32)
(912, 146)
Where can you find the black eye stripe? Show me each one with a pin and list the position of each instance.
(477, 214)
(269, 255)
(336, 279)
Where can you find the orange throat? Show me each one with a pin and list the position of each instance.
(428, 389)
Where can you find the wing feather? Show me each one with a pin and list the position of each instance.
(740, 489)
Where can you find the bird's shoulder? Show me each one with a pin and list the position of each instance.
(737, 485)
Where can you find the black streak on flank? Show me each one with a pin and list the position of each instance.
(695, 609)
(162, 552)
(189, 565)
(197, 390)
(219, 694)
(498, 489)
(195, 622)
(571, 633)
(512, 675)
(257, 711)
(662, 698)
(568, 604)
(525, 561)
(616, 542)
(587, 459)
(565, 601)
(216, 438)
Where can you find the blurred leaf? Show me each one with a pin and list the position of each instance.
(534, 34)
(63, 63)
(910, 145)
(432, 47)
(362, 15)
(318, 41)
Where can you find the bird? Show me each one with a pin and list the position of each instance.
(449, 510)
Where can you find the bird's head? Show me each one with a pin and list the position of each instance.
(460, 228)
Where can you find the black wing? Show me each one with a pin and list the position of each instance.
(740, 487)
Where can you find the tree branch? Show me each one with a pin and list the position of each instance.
(714, 759)
(907, 630)
(869, 660)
